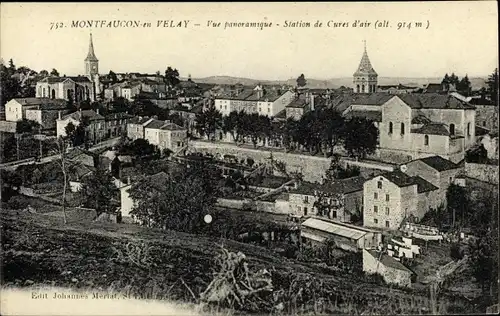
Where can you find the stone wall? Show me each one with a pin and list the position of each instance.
(312, 167)
(483, 172)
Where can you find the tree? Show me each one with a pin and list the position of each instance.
(61, 150)
(9, 86)
(464, 86)
(76, 134)
(43, 73)
(98, 191)
(327, 204)
(208, 121)
(301, 81)
(54, 73)
(177, 200)
(484, 261)
(112, 76)
(360, 137)
(337, 171)
(457, 203)
(27, 126)
(230, 124)
(171, 77)
(492, 83)
(139, 148)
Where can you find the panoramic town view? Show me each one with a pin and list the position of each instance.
(233, 196)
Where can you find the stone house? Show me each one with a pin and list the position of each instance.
(46, 114)
(78, 88)
(390, 269)
(15, 109)
(136, 125)
(318, 231)
(392, 197)
(486, 113)
(436, 170)
(116, 124)
(343, 198)
(165, 135)
(96, 129)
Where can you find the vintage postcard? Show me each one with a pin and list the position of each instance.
(249, 158)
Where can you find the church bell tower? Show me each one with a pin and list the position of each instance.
(365, 78)
(91, 62)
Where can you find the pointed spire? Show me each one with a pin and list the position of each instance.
(91, 55)
(365, 66)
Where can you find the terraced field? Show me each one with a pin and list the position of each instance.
(40, 250)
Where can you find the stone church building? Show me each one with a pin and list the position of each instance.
(76, 88)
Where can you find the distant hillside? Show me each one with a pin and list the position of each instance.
(477, 83)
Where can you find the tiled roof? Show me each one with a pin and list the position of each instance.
(341, 102)
(61, 79)
(297, 103)
(139, 120)
(118, 116)
(403, 180)
(389, 261)
(375, 116)
(172, 127)
(439, 163)
(268, 181)
(344, 186)
(434, 88)
(252, 95)
(433, 101)
(480, 101)
(420, 119)
(432, 128)
(156, 124)
(365, 67)
(89, 114)
(480, 131)
(39, 101)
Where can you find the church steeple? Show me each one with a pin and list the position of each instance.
(91, 55)
(91, 62)
(365, 77)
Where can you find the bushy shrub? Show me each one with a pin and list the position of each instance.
(456, 252)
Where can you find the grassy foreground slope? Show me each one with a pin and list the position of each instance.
(40, 250)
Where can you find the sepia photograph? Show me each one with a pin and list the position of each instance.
(246, 158)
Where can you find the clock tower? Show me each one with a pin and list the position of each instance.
(91, 62)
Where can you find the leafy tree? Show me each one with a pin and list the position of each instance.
(230, 124)
(457, 199)
(492, 83)
(112, 76)
(360, 137)
(327, 204)
(98, 191)
(484, 261)
(27, 126)
(9, 86)
(171, 77)
(208, 121)
(43, 73)
(478, 154)
(54, 72)
(140, 148)
(177, 200)
(76, 134)
(464, 86)
(11, 181)
(337, 171)
(301, 81)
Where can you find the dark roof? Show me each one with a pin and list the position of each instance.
(403, 180)
(341, 102)
(420, 119)
(268, 181)
(89, 114)
(139, 120)
(432, 128)
(434, 88)
(281, 115)
(297, 103)
(155, 124)
(344, 186)
(172, 127)
(61, 79)
(118, 116)
(40, 101)
(480, 101)
(480, 131)
(439, 163)
(375, 116)
(389, 261)
(434, 101)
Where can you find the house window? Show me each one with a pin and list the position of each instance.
(375, 221)
(452, 129)
(306, 199)
(386, 223)
(178, 144)
(390, 127)
(402, 128)
(468, 129)
(379, 184)
(375, 209)
(334, 214)
(375, 195)
(305, 210)
(387, 197)
(386, 211)
(426, 140)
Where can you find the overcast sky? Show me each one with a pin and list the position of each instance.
(462, 37)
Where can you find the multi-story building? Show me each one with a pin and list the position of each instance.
(15, 109)
(343, 198)
(46, 114)
(165, 134)
(392, 197)
(95, 130)
(486, 113)
(116, 124)
(258, 101)
(136, 125)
